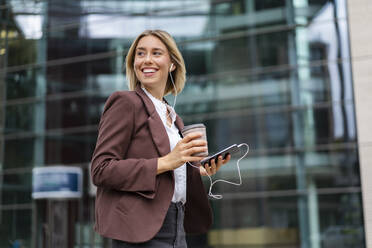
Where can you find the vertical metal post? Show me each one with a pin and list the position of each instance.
(34, 227)
(314, 215)
(50, 224)
(40, 91)
(39, 111)
(3, 90)
(298, 130)
(2, 110)
(81, 221)
(58, 223)
(92, 214)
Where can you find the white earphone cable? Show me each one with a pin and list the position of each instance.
(175, 90)
(209, 176)
(221, 180)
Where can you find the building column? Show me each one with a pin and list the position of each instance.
(360, 19)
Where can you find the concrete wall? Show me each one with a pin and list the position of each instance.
(360, 26)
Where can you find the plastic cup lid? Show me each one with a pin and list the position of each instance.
(199, 125)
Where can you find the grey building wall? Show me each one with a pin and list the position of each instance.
(360, 21)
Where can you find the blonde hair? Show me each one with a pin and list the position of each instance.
(179, 74)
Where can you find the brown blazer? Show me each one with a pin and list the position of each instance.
(132, 201)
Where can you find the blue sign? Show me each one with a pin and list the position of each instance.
(56, 182)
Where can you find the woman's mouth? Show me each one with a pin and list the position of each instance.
(149, 71)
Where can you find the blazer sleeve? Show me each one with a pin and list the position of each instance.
(109, 169)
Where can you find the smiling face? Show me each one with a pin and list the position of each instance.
(151, 64)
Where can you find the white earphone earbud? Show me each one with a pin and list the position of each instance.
(171, 67)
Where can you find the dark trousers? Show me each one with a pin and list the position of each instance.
(170, 235)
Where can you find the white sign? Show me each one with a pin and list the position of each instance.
(57, 182)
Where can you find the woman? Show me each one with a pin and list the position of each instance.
(146, 194)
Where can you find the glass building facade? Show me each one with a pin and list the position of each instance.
(274, 74)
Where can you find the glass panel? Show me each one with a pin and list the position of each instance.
(15, 228)
(249, 51)
(16, 188)
(19, 153)
(228, 53)
(327, 169)
(340, 224)
(273, 131)
(62, 112)
(267, 4)
(257, 222)
(250, 129)
(21, 84)
(102, 75)
(20, 118)
(230, 90)
(69, 112)
(276, 219)
(70, 148)
(24, 47)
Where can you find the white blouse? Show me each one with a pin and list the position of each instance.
(174, 137)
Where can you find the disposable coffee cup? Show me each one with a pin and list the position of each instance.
(200, 127)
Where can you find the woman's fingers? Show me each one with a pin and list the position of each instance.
(192, 159)
(207, 168)
(223, 161)
(219, 163)
(227, 159)
(191, 136)
(191, 142)
(195, 143)
(189, 146)
(195, 150)
(202, 171)
(185, 150)
(212, 167)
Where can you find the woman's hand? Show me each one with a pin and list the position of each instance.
(212, 168)
(182, 152)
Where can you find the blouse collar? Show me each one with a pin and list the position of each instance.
(161, 107)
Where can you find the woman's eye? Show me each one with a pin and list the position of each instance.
(157, 53)
(140, 53)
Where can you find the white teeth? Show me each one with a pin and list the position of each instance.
(148, 70)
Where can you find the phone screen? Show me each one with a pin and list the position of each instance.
(229, 150)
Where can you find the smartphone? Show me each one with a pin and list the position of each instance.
(228, 150)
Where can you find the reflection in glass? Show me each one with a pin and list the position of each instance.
(16, 188)
(69, 148)
(19, 153)
(15, 228)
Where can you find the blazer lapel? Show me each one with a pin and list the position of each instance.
(179, 124)
(158, 133)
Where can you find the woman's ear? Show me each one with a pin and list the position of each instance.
(172, 67)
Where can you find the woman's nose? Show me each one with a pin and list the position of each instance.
(148, 58)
